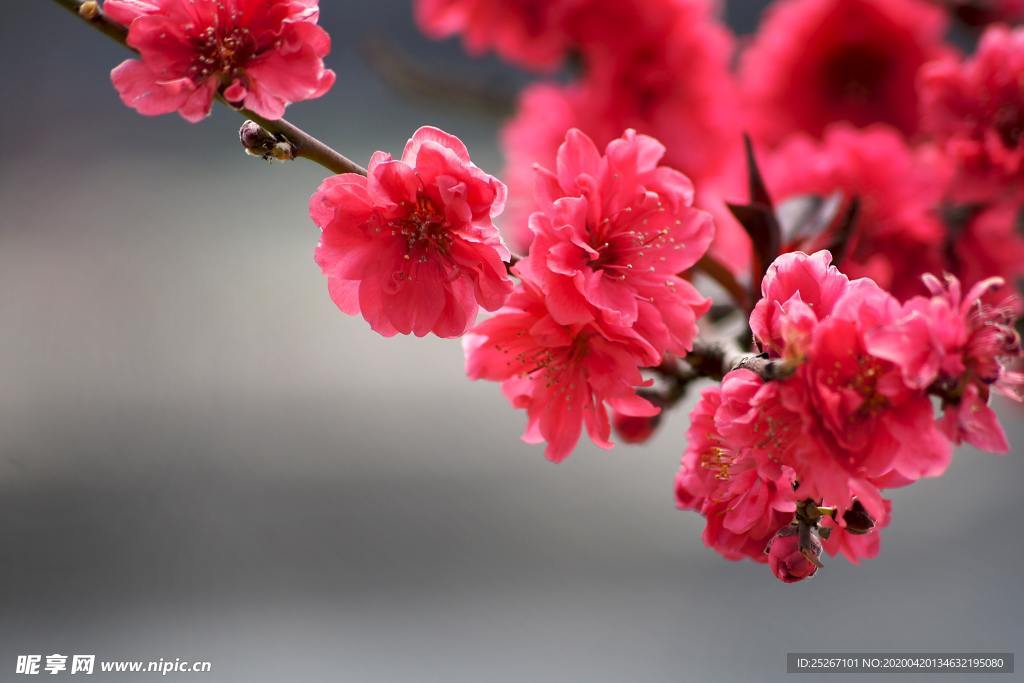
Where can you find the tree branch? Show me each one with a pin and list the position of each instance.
(303, 144)
(713, 359)
(717, 358)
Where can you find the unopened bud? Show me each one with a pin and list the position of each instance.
(794, 553)
(259, 142)
(632, 429)
(89, 10)
(857, 519)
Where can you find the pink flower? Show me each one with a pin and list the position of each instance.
(792, 560)
(976, 110)
(564, 376)
(990, 244)
(751, 454)
(260, 54)
(898, 235)
(612, 235)
(539, 34)
(797, 291)
(736, 469)
(971, 420)
(847, 422)
(661, 67)
(864, 424)
(867, 420)
(533, 33)
(815, 62)
(412, 246)
(962, 347)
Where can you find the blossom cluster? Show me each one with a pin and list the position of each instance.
(854, 416)
(860, 100)
(870, 141)
(600, 293)
(860, 97)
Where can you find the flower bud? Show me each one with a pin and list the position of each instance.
(89, 10)
(633, 429)
(857, 519)
(793, 553)
(259, 142)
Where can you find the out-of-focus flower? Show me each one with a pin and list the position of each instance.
(564, 376)
(816, 62)
(741, 481)
(663, 68)
(532, 33)
(991, 244)
(792, 555)
(612, 236)
(898, 236)
(412, 246)
(260, 54)
(965, 347)
(531, 139)
(975, 108)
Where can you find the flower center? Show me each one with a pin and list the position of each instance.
(424, 230)
(555, 366)
(221, 54)
(775, 436)
(717, 460)
(625, 249)
(856, 73)
(865, 383)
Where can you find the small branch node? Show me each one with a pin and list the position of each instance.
(259, 142)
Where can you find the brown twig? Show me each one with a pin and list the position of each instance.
(717, 358)
(714, 360)
(304, 144)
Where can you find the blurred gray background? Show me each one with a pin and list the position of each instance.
(200, 457)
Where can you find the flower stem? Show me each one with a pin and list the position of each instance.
(304, 144)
